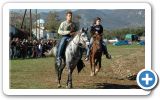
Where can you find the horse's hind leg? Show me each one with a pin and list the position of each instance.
(100, 65)
(59, 77)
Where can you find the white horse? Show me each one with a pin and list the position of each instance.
(73, 54)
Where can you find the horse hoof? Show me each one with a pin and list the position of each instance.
(92, 74)
(97, 70)
(69, 86)
(59, 86)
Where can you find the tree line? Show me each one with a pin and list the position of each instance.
(53, 20)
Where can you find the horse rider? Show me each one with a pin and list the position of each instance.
(97, 28)
(67, 29)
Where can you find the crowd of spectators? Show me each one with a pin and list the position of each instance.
(29, 48)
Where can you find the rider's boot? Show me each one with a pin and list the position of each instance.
(108, 56)
(58, 61)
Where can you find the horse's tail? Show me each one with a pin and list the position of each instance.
(51, 53)
(80, 65)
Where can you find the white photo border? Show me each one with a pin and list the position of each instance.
(6, 81)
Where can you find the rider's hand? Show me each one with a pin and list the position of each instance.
(96, 33)
(71, 33)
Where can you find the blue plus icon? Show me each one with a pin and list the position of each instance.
(147, 79)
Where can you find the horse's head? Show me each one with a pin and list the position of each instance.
(83, 37)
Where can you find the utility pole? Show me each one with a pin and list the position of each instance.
(36, 23)
(30, 25)
(23, 18)
(39, 27)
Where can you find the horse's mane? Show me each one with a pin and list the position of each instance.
(72, 38)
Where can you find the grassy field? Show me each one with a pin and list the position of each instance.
(40, 74)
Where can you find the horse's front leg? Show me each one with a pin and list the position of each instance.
(59, 70)
(92, 66)
(69, 81)
(99, 67)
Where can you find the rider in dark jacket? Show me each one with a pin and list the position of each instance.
(97, 28)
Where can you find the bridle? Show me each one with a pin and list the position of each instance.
(79, 41)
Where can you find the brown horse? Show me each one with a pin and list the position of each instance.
(96, 54)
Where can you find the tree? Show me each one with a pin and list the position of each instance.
(77, 19)
(53, 22)
(107, 34)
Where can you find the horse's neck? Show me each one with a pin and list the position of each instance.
(96, 41)
(76, 39)
(74, 43)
